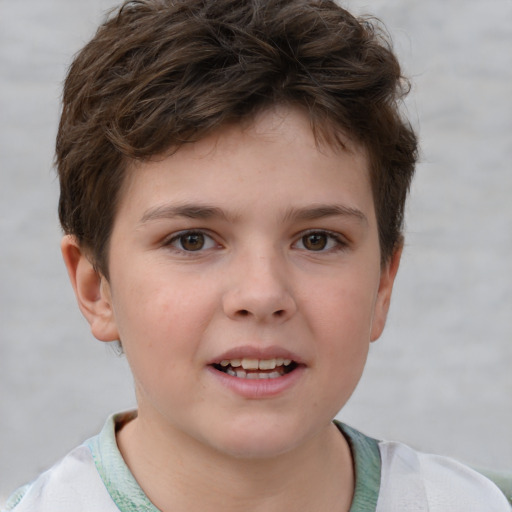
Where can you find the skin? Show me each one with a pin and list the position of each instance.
(287, 261)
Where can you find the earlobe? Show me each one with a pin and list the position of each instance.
(387, 279)
(92, 291)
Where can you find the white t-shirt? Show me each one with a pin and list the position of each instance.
(390, 477)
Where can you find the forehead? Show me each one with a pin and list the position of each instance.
(276, 153)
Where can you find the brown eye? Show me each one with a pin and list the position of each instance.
(192, 241)
(315, 241)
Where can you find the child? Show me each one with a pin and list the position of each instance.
(233, 177)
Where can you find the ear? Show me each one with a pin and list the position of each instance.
(387, 279)
(92, 291)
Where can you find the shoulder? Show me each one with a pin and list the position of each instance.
(433, 483)
(93, 476)
(71, 484)
(392, 477)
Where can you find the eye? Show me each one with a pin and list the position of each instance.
(192, 241)
(320, 241)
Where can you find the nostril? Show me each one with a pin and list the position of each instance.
(243, 312)
(279, 312)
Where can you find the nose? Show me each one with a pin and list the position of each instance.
(259, 289)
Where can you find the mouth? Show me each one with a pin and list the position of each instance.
(261, 369)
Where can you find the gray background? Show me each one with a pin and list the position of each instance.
(440, 376)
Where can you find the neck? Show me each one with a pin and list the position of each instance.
(181, 474)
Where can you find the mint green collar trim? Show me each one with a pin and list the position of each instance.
(367, 462)
(129, 497)
(119, 481)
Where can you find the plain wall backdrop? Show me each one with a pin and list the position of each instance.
(439, 379)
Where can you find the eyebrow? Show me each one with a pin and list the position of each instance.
(190, 211)
(325, 210)
(203, 212)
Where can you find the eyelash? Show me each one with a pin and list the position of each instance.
(333, 241)
(179, 238)
(338, 241)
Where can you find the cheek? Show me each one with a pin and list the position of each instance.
(346, 335)
(342, 319)
(160, 344)
(159, 301)
(344, 312)
(160, 325)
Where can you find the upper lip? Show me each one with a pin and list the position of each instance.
(254, 352)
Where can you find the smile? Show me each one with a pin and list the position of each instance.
(247, 368)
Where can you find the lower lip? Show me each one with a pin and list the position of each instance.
(258, 388)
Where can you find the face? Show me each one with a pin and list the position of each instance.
(246, 285)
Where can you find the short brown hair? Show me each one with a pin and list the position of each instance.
(161, 73)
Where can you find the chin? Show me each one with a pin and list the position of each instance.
(257, 450)
(259, 442)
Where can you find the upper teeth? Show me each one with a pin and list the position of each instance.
(256, 364)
